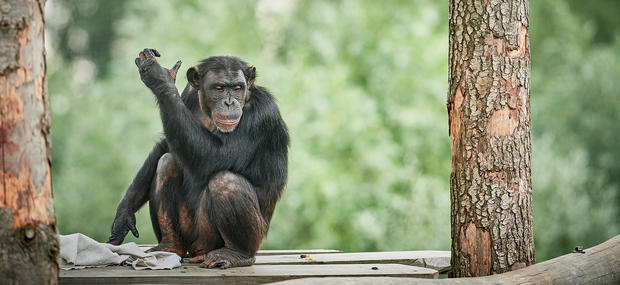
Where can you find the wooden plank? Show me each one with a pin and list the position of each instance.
(367, 281)
(296, 251)
(256, 274)
(438, 260)
(273, 251)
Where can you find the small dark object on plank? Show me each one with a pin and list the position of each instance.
(579, 249)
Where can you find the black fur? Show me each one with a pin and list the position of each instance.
(255, 153)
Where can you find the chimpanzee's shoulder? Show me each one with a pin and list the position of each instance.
(266, 114)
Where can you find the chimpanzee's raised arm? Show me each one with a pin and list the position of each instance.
(192, 142)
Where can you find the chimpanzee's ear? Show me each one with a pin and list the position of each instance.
(193, 76)
(250, 75)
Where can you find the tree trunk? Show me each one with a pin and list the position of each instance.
(489, 113)
(28, 238)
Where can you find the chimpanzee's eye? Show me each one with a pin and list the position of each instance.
(237, 87)
(219, 87)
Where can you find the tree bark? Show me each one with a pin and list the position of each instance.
(28, 237)
(489, 122)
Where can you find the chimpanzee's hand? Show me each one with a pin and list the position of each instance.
(152, 73)
(124, 221)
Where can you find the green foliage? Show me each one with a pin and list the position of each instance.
(78, 35)
(362, 86)
(575, 102)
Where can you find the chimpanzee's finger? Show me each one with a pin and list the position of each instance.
(135, 232)
(117, 236)
(149, 53)
(175, 69)
(137, 61)
(155, 52)
(141, 55)
(176, 65)
(133, 229)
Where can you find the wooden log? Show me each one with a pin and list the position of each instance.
(598, 265)
(438, 260)
(257, 274)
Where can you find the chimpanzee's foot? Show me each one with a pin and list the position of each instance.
(197, 252)
(169, 248)
(226, 258)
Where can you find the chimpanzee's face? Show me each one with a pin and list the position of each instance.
(222, 95)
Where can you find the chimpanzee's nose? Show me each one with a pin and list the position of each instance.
(228, 102)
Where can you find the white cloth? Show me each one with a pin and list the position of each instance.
(79, 251)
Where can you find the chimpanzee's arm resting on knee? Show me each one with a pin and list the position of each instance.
(136, 196)
(138, 191)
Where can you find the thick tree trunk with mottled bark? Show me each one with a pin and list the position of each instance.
(28, 238)
(489, 112)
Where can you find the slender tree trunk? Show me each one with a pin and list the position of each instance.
(28, 238)
(489, 112)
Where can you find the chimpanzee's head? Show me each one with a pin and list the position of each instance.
(223, 84)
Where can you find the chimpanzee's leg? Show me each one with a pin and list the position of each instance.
(234, 210)
(166, 203)
(206, 237)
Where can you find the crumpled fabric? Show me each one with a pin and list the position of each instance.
(79, 251)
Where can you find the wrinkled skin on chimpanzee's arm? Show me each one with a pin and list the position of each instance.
(189, 139)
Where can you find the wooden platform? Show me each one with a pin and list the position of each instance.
(272, 266)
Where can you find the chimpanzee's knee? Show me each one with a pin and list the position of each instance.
(167, 169)
(225, 184)
(235, 212)
(167, 164)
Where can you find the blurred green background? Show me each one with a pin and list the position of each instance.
(362, 86)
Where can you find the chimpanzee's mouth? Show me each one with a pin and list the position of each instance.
(226, 125)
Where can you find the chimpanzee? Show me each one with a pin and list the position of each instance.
(213, 182)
